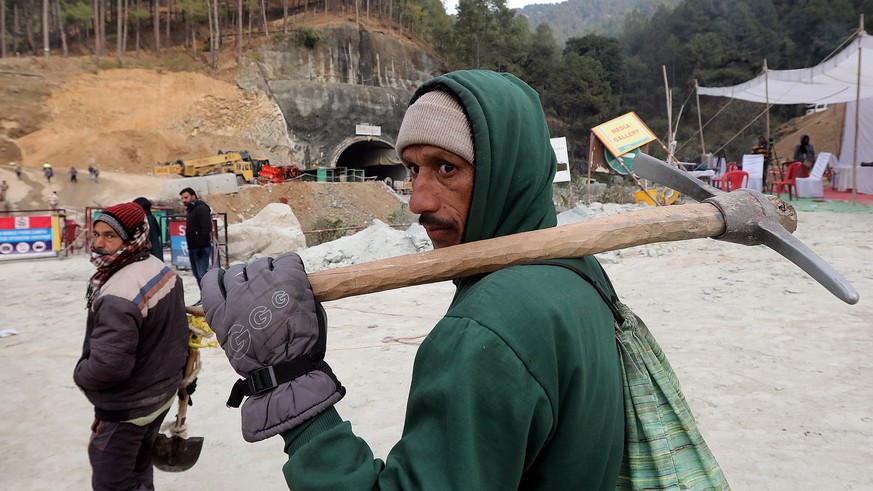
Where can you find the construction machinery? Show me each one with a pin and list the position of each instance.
(239, 163)
(277, 174)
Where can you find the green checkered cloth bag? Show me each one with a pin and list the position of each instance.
(663, 447)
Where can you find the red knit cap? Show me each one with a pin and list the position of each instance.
(125, 219)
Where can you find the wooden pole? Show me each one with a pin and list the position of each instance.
(699, 118)
(591, 137)
(767, 100)
(857, 114)
(670, 158)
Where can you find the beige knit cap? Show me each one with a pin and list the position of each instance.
(436, 118)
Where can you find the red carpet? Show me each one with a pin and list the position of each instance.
(863, 199)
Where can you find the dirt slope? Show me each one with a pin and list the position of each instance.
(825, 130)
(124, 121)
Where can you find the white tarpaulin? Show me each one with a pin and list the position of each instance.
(863, 177)
(832, 81)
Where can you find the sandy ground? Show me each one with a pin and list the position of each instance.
(777, 370)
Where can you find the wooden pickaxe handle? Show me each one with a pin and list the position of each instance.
(579, 239)
(648, 226)
(743, 217)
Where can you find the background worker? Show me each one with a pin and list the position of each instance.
(805, 153)
(765, 148)
(198, 233)
(157, 248)
(53, 200)
(135, 348)
(517, 387)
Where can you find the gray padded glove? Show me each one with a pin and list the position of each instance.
(274, 334)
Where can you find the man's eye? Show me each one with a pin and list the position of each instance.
(412, 168)
(446, 168)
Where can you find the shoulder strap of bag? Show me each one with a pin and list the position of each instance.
(610, 300)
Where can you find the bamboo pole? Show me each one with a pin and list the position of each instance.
(857, 114)
(667, 94)
(699, 118)
(767, 101)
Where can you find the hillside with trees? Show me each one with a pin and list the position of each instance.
(591, 79)
(574, 18)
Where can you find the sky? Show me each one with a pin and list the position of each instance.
(452, 5)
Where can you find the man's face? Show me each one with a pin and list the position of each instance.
(187, 198)
(762, 140)
(442, 190)
(105, 240)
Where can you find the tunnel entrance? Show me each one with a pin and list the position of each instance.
(375, 157)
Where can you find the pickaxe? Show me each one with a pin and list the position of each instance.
(743, 216)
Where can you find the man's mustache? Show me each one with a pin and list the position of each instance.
(428, 219)
(99, 252)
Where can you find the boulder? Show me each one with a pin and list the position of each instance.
(272, 232)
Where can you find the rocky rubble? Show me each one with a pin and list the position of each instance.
(273, 231)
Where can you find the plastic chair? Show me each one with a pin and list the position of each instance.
(789, 182)
(812, 187)
(754, 165)
(778, 171)
(736, 179)
(719, 181)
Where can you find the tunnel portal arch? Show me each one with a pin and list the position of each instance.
(375, 155)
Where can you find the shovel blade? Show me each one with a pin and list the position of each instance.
(176, 454)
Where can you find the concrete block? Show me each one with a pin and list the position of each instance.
(221, 183)
(203, 185)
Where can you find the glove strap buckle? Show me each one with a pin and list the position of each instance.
(262, 380)
(267, 378)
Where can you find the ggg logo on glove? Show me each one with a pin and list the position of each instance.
(238, 341)
(260, 316)
(280, 299)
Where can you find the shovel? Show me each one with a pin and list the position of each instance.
(177, 453)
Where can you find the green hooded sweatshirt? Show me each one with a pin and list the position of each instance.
(518, 386)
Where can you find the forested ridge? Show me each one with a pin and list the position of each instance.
(574, 18)
(589, 79)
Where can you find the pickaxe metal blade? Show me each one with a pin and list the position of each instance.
(746, 217)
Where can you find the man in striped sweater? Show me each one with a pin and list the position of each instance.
(136, 344)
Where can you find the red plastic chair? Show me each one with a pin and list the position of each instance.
(736, 179)
(789, 182)
(719, 181)
(778, 171)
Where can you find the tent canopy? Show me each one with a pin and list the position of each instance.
(832, 81)
(847, 77)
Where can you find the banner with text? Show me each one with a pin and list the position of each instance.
(24, 237)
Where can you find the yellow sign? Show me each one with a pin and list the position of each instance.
(623, 134)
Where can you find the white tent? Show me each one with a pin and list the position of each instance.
(845, 77)
(861, 180)
(833, 81)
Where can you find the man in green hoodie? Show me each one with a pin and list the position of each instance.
(517, 386)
